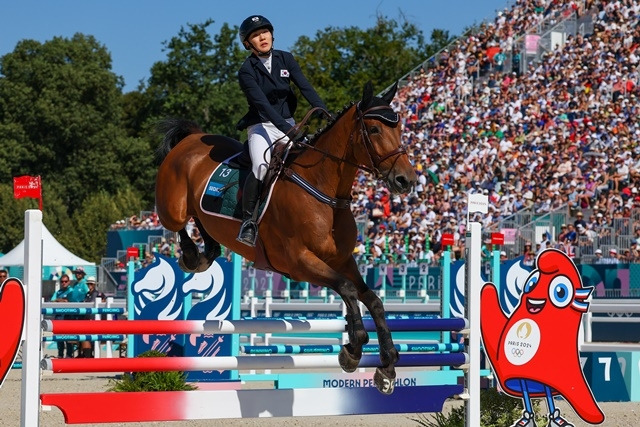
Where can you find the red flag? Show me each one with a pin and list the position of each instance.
(27, 186)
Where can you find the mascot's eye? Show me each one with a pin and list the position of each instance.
(561, 291)
(532, 281)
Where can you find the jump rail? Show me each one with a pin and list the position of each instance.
(164, 364)
(83, 311)
(335, 348)
(220, 404)
(241, 326)
(83, 337)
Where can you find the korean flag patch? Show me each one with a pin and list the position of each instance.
(284, 73)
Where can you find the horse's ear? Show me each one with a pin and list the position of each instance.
(388, 95)
(367, 94)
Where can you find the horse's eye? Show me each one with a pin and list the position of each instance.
(374, 129)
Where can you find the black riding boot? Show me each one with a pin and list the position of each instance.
(250, 194)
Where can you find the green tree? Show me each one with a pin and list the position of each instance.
(12, 214)
(198, 80)
(339, 61)
(60, 117)
(55, 216)
(439, 40)
(94, 219)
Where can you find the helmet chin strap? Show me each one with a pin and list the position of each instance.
(264, 54)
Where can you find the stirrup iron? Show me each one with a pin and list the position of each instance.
(248, 233)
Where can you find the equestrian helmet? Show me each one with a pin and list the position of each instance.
(251, 24)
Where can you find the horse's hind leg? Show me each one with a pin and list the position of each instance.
(190, 258)
(192, 261)
(212, 248)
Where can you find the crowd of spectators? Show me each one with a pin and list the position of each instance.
(146, 221)
(564, 133)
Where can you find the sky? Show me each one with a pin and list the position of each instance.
(134, 30)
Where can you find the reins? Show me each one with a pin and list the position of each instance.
(374, 158)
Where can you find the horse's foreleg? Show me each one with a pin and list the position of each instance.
(351, 353)
(317, 271)
(386, 374)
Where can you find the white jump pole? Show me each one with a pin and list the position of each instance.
(473, 286)
(31, 347)
(472, 311)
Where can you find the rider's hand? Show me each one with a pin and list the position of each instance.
(299, 136)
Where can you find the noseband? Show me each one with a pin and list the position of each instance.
(386, 115)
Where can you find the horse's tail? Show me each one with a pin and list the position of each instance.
(174, 130)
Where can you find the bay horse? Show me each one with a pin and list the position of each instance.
(308, 231)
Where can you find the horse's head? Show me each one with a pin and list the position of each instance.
(378, 149)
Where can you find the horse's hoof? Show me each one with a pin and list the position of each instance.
(203, 264)
(383, 383)
(347, 362)
(183, 267)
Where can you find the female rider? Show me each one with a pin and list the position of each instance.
(265, 78)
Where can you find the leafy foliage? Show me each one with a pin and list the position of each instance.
(497, 410)
(95, 218)
(339, 61)
(198, 80)
(61, 118)
(151, 381)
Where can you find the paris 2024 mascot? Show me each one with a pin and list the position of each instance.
(534, 351)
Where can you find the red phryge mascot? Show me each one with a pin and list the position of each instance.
(534, 352)
(12, 312)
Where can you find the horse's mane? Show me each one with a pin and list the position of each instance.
(375, 101)
(330, 124)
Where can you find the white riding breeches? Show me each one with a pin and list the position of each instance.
(261, 138)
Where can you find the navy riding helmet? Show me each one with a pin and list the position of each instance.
(251, 24)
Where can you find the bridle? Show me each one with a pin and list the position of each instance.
(378, 113)
(383, 113)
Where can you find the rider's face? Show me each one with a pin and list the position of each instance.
(261, 40)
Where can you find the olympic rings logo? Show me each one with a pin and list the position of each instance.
(517, 352)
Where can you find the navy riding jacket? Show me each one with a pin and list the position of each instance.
(270, 96)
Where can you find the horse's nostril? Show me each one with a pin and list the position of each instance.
(402, 182)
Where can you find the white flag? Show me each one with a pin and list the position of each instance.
(478, 203)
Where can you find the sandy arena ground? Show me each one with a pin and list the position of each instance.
(618, 414)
